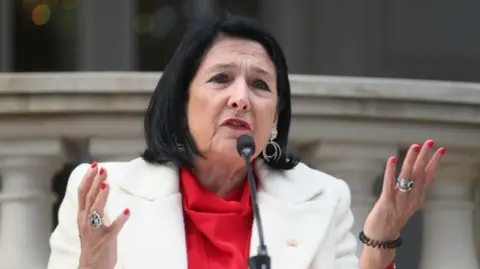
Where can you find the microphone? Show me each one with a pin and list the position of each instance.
(246, 149)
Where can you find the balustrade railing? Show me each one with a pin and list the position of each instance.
(343, 126)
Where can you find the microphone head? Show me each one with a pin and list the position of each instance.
(245, 145)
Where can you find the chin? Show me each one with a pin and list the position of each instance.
(227, 151)
(230, 153)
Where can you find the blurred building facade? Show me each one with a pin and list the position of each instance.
(342, 125)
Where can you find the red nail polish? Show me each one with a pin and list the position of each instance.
(416, 148)
(126, 212)
(443, 151)
(94, 164)
(102, 171)
(103, 185)
(393, 160)
(430, 143)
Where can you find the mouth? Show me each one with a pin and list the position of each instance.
(237, 124)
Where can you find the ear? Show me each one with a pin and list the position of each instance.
(275, 120)
(274, 125)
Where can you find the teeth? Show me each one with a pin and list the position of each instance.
(234, 123)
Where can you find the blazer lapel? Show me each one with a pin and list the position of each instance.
(294, 223)
(154, 237)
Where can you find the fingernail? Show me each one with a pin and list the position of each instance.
(443, 151)
(94, 164)
(430, 143)
(126, 212)
(393, 160)
(416, 148)
(103, 185)
(102, 171)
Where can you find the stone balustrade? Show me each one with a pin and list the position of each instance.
(345, 126)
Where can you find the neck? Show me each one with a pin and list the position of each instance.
(220, 178)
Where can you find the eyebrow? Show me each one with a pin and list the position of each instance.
(234, 66)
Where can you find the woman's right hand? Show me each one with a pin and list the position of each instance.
(97, 239)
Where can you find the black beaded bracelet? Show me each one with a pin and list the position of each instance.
(379, 244)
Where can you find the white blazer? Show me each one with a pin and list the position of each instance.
(306, 216)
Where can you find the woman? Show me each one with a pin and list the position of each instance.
(185, 203)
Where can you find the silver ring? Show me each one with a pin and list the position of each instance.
(404, 185)
(96, 220)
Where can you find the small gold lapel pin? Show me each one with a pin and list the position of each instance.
(292, 243)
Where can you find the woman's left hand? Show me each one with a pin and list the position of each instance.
(394, 206)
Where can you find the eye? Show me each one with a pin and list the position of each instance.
(220, 78)
(260, 84)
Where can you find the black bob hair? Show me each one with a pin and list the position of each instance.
(167, 136)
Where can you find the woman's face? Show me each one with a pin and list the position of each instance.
(234, 92)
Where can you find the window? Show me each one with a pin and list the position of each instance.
(44, 36)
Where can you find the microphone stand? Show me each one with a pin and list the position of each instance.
(261, 260)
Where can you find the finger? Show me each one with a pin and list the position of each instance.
(432, 166)
(423, 155)
(406, 172)
(101, 200)
(118, 223)
(85, 185)
(389, 177)
(95, 188)
(410, 158)
(106, 221)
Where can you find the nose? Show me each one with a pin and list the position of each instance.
(239, 100)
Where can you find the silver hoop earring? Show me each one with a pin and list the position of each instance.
(179, 146)
(274, 153)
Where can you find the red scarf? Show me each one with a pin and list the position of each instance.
(217, 230)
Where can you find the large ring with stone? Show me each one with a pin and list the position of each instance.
(96, 220)
(404, 185)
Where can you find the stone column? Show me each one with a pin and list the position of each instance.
(7, 26)
(26, 201)
(477, 216)
(359, 165)
(449, 240)
(289, 21)
(116, 150)
(106, 40)
(203, 7)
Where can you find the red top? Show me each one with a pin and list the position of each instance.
(392, 266)
(217, 230)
